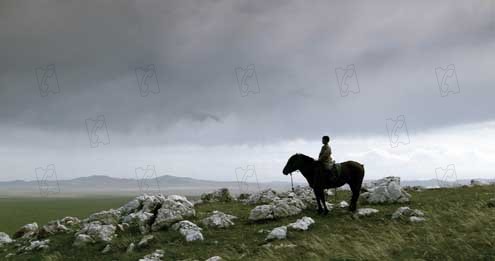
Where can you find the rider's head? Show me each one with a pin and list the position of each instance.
(325, 139)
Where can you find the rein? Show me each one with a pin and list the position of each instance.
(291, 182)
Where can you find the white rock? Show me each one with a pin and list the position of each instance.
(214, 258)
(366, 211)
(261, 212)
(189, 230)
(140, 219)
(146, 240)
(130, 248)
(83, 240)
(27, 231)
(53, 227)
(386, 190)
(302, 224)
(99, 232)
(416, 219)
(266, 196)
(5, 239)
(343, 204)
(219, 220)
(155, 256)
(37, 245)
(407, 212)
(174, 208)
(284, 207)
(106, 217)
(106, 249)
(220, 195)
(277, 233)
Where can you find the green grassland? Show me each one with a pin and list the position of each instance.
(459, 226)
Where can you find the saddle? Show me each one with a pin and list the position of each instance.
(335, 171)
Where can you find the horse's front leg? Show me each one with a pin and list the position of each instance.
(322, 198)
(320, 209)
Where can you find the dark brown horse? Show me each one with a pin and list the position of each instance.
(352, 173)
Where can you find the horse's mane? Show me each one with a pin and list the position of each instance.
(305, 157)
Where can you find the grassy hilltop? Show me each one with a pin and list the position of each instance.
(459, 226)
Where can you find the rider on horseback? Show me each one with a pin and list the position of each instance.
(325, 157)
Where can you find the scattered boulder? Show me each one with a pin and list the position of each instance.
(277, 233)
(98, 232)
(243, 197)
(261, 212)
(140, 219)
(214, 258)
(279, 208)
(362, 212)
(53, 227)
(174, 208)
(106, 217)
(146, 240)
(36, 245)
(302, 224)
(220, 195)
(5, 239)
(279, 246)
(386, 190)
(416, 219)
(265, 196)
(82, 240)
(27, 231)
(155, 256)
(189, 230)
(219, 220)
(414, 215)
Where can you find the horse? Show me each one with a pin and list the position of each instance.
(352, 174)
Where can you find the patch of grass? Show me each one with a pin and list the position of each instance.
(459, 226)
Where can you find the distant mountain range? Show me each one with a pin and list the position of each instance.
(104, 185)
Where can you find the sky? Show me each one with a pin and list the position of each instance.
(208, 89)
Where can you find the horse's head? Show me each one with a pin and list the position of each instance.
(293, 164)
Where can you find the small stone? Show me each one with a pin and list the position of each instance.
(214, 258)
(145, 240)
(106, 249)
(343, 204)
(302, 224)
(416, 219)
(366, 211)
(130, 248)
(155, 256)
(277, 233)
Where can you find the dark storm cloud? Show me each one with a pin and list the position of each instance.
(195, 47)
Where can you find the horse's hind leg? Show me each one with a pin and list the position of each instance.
(320, 210)
(354, 198)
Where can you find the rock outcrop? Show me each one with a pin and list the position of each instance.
(219, 220)
(386, 190)
(279, 208)
(189, 230)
